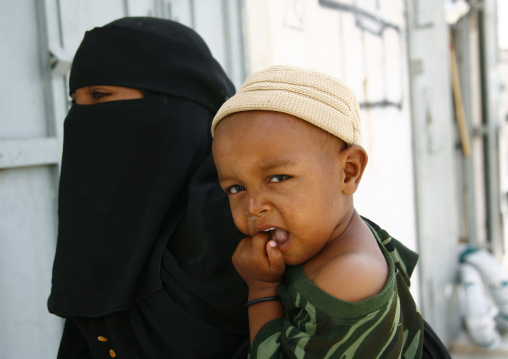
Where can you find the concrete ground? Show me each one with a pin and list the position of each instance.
(463, 348)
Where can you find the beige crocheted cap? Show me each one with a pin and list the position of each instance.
(315, 97)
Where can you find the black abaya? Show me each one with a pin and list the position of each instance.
(143, 261)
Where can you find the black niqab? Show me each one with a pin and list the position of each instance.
(151, 54)
(145, 234)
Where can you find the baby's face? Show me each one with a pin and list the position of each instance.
(284, 176)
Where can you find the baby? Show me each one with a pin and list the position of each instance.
(323, 281)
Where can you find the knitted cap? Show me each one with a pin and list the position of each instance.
(315, 97)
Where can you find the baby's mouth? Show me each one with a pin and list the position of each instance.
(279, 235)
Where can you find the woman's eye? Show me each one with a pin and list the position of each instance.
(235, 189)
(98, 95)
(279, 178)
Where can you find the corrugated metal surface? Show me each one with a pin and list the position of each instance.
(437, 200)
(33, 105)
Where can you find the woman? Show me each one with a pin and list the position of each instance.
(145, 237)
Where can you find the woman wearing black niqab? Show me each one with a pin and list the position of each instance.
(143, 260)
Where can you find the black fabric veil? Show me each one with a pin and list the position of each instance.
(142, 220)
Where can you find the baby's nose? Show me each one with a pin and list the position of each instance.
(257, 208)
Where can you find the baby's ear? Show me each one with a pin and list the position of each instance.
(354, 160)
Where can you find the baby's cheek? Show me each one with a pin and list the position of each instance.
(240, 221)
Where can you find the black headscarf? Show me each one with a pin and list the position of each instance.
(140, 209)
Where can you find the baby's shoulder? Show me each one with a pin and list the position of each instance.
(352, 276)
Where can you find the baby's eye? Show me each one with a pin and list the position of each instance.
(235, 189)
(279, 178)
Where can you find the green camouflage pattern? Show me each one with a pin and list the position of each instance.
(318, 325)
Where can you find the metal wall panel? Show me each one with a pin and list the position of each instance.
(491, 105)
(77, 16)
(22, 100)
(435, 167)
(27, 237)
(38, 39)
(28, 176)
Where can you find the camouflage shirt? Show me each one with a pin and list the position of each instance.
(318, 325)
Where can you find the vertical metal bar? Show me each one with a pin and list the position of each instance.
(193, 15)
(60, 26)
(240, 22)
(488, 49)
(49, 104)
(45, 67)
(126, 7)
(158, 8)
(233, 33)
(226, 30)
(169, 11)
(411, 20)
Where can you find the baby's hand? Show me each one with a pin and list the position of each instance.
(259, 262)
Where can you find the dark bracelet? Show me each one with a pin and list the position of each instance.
(260, 300)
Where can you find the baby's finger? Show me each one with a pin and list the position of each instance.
(275, 258)
(259, 241)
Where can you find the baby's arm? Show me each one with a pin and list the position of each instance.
(352, 277)
(261, 265)
(353, 267)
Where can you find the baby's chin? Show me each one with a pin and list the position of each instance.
(291, 261)
(301, 256)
